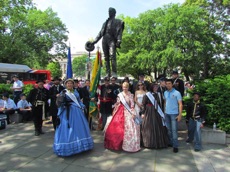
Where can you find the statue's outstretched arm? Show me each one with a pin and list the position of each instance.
(100, 34)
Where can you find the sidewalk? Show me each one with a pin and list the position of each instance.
(21, 151)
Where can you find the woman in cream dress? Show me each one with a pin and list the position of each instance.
(139, 94)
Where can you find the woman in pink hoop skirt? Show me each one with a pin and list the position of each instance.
(122, 133)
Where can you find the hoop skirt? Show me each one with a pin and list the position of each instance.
(122, 133)
(72, 136)
(154, 134)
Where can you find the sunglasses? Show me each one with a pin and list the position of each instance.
(140, 85)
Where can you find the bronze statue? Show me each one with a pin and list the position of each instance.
(111, 32)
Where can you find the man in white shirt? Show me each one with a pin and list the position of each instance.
(17, 88)
(8, 107)
(24, 108)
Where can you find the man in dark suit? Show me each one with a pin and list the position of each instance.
(86, 97)
(161, 89)
(112, 35)
(86, 100)
(79, 89)
(178, 84)
(54, 92)
(38, 97)
(106, 101)
(115, 88)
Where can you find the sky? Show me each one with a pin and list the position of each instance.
(84, 18)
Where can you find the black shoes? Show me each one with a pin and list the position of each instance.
(41, 132)
(175, 150)
(37, 133)
(196, 150)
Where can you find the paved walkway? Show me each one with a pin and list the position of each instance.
(21, 151)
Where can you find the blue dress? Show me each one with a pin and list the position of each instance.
(72, 135)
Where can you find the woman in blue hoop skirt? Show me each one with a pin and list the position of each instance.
(72, 135)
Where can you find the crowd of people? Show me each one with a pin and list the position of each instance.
(141, 114)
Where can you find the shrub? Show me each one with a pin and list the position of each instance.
(27, 88)
(216, 96)
(6, 88)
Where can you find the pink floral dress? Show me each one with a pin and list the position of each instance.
(122, 132)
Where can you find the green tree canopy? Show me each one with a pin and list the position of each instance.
(55, 69)
(218, 19)
(163, 39)
(79, 65)
(30, 36)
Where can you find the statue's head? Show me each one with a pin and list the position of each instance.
(112, 12)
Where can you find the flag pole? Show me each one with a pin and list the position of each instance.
(88, 66)
(69, 72)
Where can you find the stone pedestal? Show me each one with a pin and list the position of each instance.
(16, 117)
(213, 136)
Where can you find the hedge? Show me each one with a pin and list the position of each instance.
(215, 94)
(6, 88)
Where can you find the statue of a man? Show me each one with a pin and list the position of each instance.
(112, 34)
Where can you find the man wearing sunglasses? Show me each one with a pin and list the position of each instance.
(115, 88)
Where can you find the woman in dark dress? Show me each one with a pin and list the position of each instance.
(153, 129)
